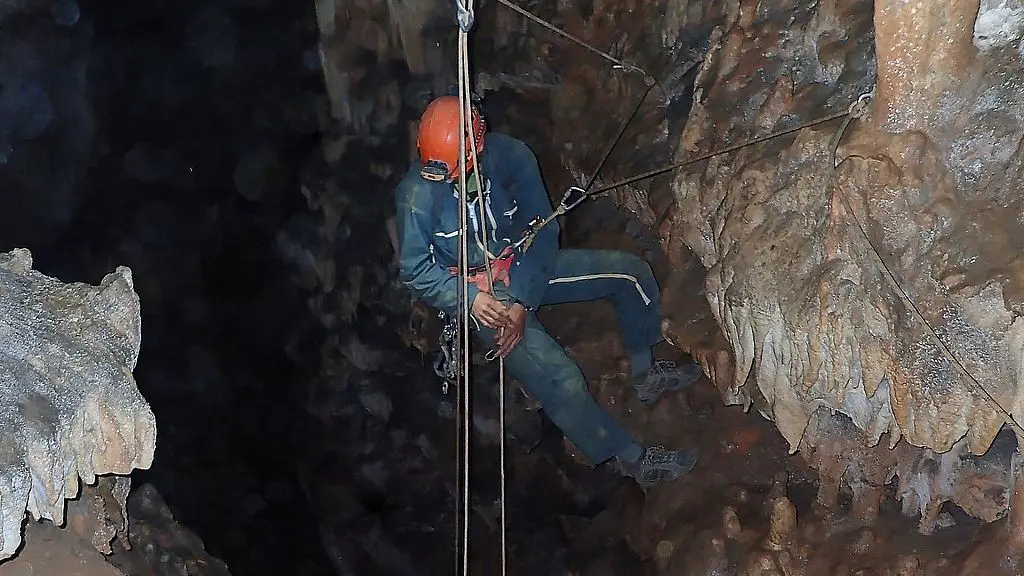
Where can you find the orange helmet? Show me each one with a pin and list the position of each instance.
(438, 139)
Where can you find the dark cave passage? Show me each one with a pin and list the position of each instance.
(195, 131)
(201, 122)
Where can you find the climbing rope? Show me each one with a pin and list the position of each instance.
(568, 202)
(618, 136)
(622, 64)
(709, 155)
(482, 241)
(576, 195)
(466, 17)
(858, 110)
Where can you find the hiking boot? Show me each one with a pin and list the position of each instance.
(659, 464)
(664, 376)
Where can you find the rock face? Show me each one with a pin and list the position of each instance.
(50, 551)
(71, 410)
(158, 544)
(815, 326)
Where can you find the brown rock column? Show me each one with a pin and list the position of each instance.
(924, 50)
(1015, 522)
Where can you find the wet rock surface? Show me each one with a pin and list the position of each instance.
(842, 338)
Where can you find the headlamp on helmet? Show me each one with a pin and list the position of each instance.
(438, 139)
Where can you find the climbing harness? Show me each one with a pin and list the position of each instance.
(858, 110)
(500, 266)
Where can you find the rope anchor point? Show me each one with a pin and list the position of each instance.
(465, 15)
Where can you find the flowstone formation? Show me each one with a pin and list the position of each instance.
(70, 411)
(824, 344)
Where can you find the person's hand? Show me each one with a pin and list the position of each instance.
(511, 334)
(489, 311)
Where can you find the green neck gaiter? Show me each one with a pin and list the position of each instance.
(472, 190)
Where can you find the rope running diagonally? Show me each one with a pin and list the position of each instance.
(622, 131)
(562, 209)
(859, 110)
(733, 148)
(659, 171)
(620, 63)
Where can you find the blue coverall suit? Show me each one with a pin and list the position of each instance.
(428, 236)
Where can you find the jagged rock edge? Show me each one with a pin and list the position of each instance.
(870, 405)
(114, 428)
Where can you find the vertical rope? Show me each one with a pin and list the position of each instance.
(466, 18)
(468, 113)
(464, 331)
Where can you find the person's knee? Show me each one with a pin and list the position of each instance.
(542, 357)
(635, 267)
(621, 262)
(639, 268)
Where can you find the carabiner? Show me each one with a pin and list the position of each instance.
(565, 199)
(491, 355)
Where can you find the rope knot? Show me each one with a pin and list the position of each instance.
(464, 14)
(859, 108)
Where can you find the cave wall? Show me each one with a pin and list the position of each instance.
(817, 332)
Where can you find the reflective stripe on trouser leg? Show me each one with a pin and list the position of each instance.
(624, 278)
(633, 279)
